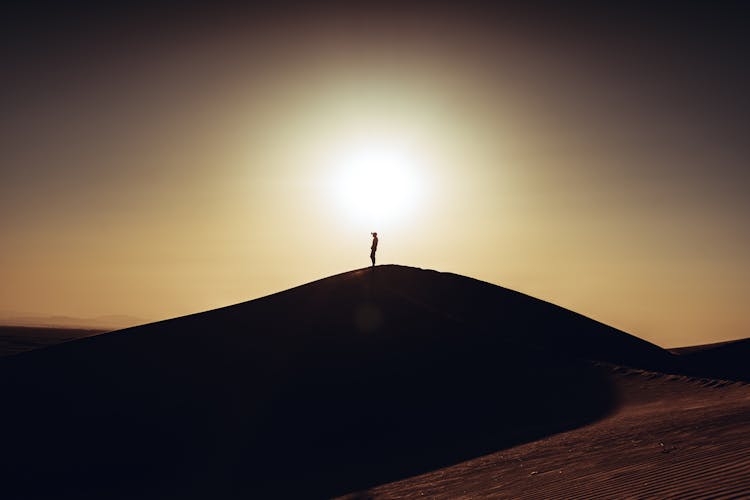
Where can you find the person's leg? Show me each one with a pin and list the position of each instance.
(372, 258)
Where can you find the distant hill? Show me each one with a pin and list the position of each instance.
(16, 339)
(105, 322)
(725, 360)
(329, 387)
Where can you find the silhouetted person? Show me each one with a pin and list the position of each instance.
(373, 247)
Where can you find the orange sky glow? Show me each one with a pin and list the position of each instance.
(210, 166)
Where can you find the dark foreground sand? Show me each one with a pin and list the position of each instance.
(357, 382)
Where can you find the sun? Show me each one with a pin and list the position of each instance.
(377, 182)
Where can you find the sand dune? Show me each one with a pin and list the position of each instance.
(340, 385)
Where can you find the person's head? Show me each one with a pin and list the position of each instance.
(374, 235)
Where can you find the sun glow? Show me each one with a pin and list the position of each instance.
(377, 182)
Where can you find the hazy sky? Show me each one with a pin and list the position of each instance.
(159, 161)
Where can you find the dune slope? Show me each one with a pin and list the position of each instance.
(338, 385)
(672, 437)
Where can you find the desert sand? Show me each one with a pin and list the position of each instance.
(672, 437)
(384, 382)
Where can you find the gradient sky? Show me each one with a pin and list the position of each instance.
(160, 161)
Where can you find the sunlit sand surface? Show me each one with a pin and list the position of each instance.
(673, 437)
